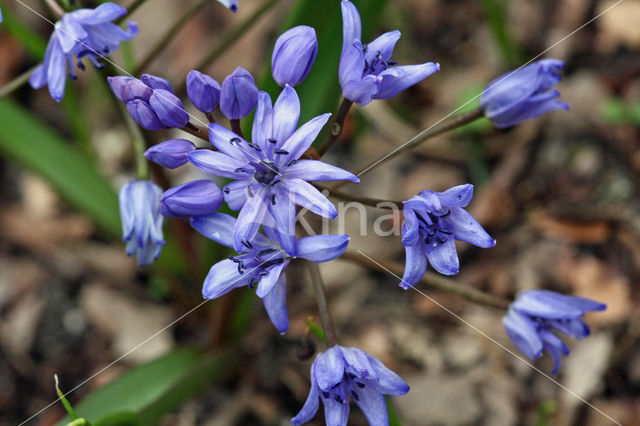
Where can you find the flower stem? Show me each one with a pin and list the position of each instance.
(321, 299)
(337, 125)
(198, 131)
(55, 8)
(17, 82)
(137, 143)
(231, 37)
(428, 133)
(430, 279)
(235, 127)
(154, 52)
(372, 202)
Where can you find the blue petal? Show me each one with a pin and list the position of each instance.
(235, 194)
(142, 114)
(302, 138)
(511, 88)
(457, 196)
(410, 227)
(552, 305)
(286, 112)
(555, 347)
(444, 257)
(57, 72)
(335, 413)
(219, 164)
(416, 265)
(275, 303)
(466, 228)
(523, 333)
(171, 153)
(217, 227)
(573, 327)
(168, 108)
(530, 108)
(310, 407)
(373, 405)
(104, 13)
(351, 63)
(222, 278)
(313, 170)
(329, 368)
(250, 218)
(283, 212)
(382, 45)
(268, 282)
(351, 25)
(232, 5)
(156, 82)
(396, 79)
(357, 362)
(388, 382)
(322, 248)
(221, 138)
(69, 32)
(194, 198)
(307, 196)
(362, 91)
(263, 121)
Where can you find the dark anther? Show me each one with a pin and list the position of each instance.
(269, 263)
(266, 251)
(247, 244)
(272, 140)
(255, 146)
(226, 191)
(272, 197)
(282, 151)
(252, 284)
(338, 399)
(355, 395)
(234, 140)
(365, 47)
(360, 385)
(240, 170)
(263, 273)
(81, 66)
(392, 64)
(325, 394)
(351, 375)
(441, 239)
(446, 231)
(233, 259)
(240, 268)
(446, 214)
(291, 163)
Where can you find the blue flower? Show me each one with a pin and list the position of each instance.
(203, 91)
(341, 373)
(432, 221)
(293, 55)
(83, 32)
(535, 313)
(269, 177)
(195, 198)
(141, 220)
(367, 71)
(523, 94)
(230, 4)
(239, 94)
(261, 261)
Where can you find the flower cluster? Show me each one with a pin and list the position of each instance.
(81, 33)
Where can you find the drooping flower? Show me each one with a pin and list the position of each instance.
(195, 198)
(141, 220)
(366, 70)
(523, 94)
(432, 223)
(150, 101)
(293, 55)
(81, 33)
(261, 261)
(535, 313)
(341, 373)
(270, 178)
(171, 153)
(203, 91)
(230, 4)
(239, 94)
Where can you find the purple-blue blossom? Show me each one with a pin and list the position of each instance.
(203, 91)
(171, 153)
(342, 373)
(239, 94)
(523, 94)
(432, 223)
(141, 220)
(366, 70)
(293, 55)
(270, 179)
(261, 261)
(195, 198)
(533, 316)
(81, 33)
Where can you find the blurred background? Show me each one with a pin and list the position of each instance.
(559, 193)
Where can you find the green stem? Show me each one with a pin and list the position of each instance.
(430, 279)
(154, 52)
(372, 202)
(17, 82)
(321, 299)
(137, 143)
(231, 37)
(336, 126)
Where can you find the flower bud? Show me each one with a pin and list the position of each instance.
(170, 154)
(293, 55)
(239, 94)
(203, 91)
(156, 82)
(143, 114)
(129, 88)
(168, 108)
(196, 198)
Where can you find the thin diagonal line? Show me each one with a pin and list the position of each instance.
(143, 342)
(106, 59)
(449, 311)
(492, 86)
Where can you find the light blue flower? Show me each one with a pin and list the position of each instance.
(81, 33)
(341, 373)
(535, 313)
(141, 220)
(523, 94)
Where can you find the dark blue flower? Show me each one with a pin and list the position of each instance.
(269, 177)
(535, 313)
(367, 71)
(341, 373)
(203, 91)
(432, 223)
(83, 32)
(171, 153)
(293, 55)
(239, 94)
(141, 220)
(523, 94)
(196, 198)
(261, 262)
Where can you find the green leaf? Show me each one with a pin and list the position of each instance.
(143, 395)
(496, 16)
(36, 146)
(394, 419)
